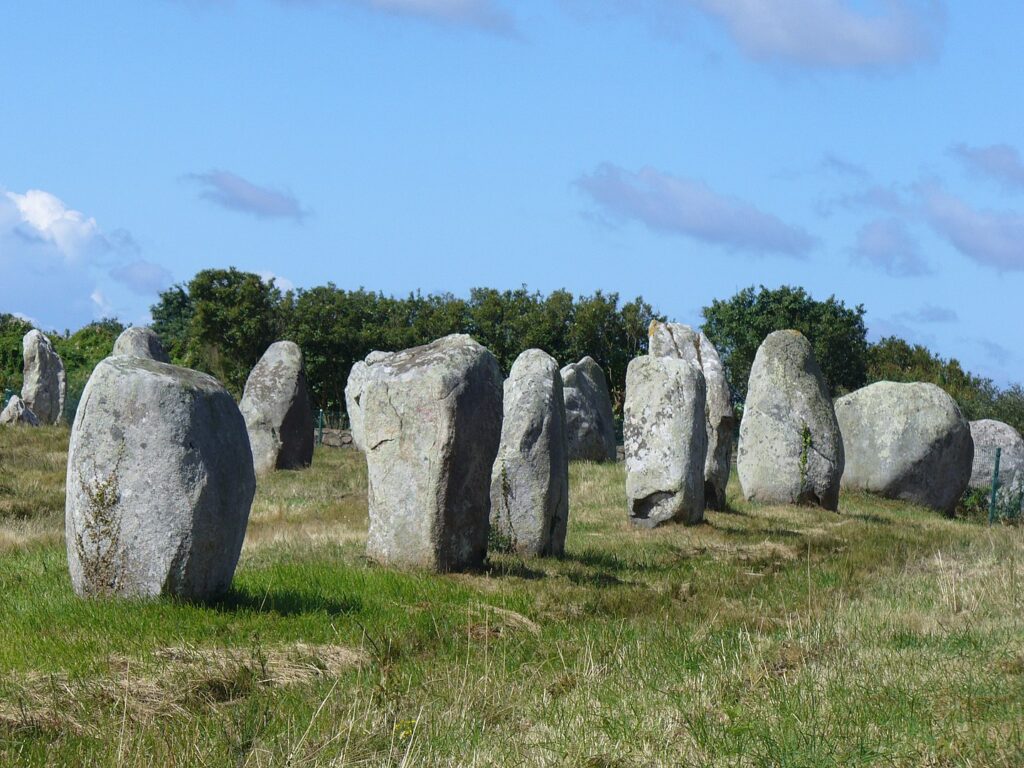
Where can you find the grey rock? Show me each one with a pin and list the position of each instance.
(17, 413)
(159, 483)
(683, 342)
(277, 412)
(354, 395)
(431, 427)
(906, 441)
(530, 478)
(139, 341)
(44, 380)
(791, 449)
(588, 412)
(665, 431)
(988, 435)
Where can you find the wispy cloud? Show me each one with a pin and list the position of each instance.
(991, 238)
(485, 15)
(995, 352)
(142, 277)
(679, 206)
(887, 244)
(835, 164)
(998, 161)
(231, 191)
(930, 313)
(831, 34)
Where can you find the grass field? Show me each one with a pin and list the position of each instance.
(790, 636)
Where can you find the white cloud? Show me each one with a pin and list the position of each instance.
(679, 206)
(281, 282)
(991, 238)
(998, 161)
(887, 244)
(142, 277)
(101, 307)
(45, 217)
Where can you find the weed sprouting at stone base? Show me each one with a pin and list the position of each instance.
(98, 543)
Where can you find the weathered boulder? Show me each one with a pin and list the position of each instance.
(790, 450)
(683, 342)
(277, 412)
(431, 427)
(17, 413)
(988, 435)
(906, 441)
(666, 440)
(588, 412)
(44, 382)
(159, 483)
(530, 478)
(139, 341)
(354, 395)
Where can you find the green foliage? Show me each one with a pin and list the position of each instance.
(738, 325)
(172, 317)
(12, 331)
(81, 351)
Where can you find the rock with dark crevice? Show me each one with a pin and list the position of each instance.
(44, 382)
(589, 421)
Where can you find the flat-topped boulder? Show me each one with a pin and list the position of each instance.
(665, 440)
(431, 427)
(530, 478)
(159, 483)
(277, 412)
(44, 383)
(906, 441)
(588, 412)
(683, 342)
(790, 450)
(140, 341)
(16, 413)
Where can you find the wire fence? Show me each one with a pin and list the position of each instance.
(328, 421)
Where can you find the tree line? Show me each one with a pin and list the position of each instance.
(222, 321)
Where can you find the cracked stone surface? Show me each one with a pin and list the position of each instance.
(906, 441)
(44, 380)
(665, 440)
(431, 427)
(530, 478)
(588, 412)
(791, 449)
(683, 342)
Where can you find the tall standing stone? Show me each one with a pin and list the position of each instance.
(906, 441)
(354, 396)
(44, 384)
(139, 341)
(530, 478)
(665, 439)
(683, 342)
(277, 412)
(431, 427)
(588, 412)
(791, 450)
(159, 483)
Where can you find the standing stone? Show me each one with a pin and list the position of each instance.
(354, 396)
(588, 412)
(988, 435)
(276, 408)
(17, 413)
(665, 439)
(530, 479)
(44, 384)
(159, 483)
(791, 450)
(431, 427)
(681, 341)
(906, 441)
(139, 341)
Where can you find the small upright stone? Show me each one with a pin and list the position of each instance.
(683, 342)
(791, 450)
(17, 413)
(588, 412)
(665, 440)
(989, 435)
(530, 479)
(431, 427)
(277, 412)
(44, 383)
(159, 483)
(906, 441)
(140, 341)
(354, 396)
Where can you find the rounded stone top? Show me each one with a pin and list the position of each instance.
(144, 367)
(140, 341)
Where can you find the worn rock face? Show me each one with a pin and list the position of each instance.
(159, 483)
(906, 441)
(139, 341)
(431, 426)
(790, 450)
(530, 478)
(17, 413)
(354, 395)
(44, 384)
(665, 439)
(588, 412)
(685, 343)
(988, 435)
(277, 412)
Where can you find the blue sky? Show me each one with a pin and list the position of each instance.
(678, 149)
